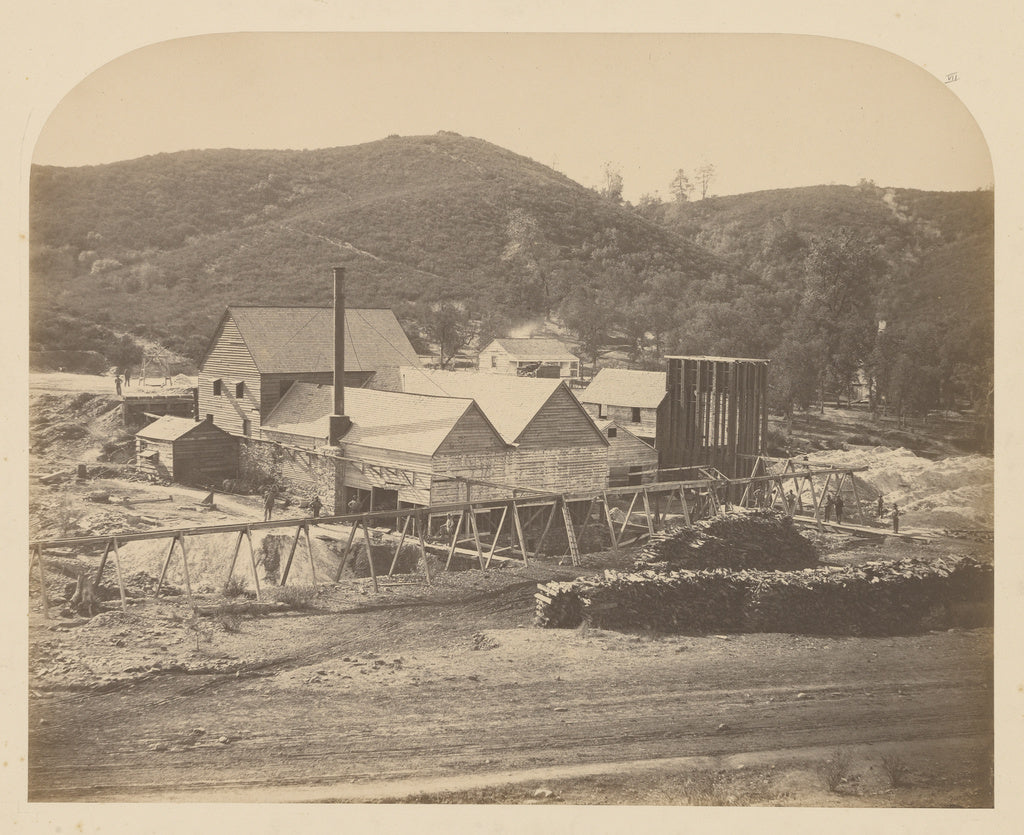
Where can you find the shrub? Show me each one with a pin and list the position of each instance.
(234, 587)
(300, 598)
(895, 769)
(230, 621)
(835, 770)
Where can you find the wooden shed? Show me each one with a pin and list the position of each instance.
(182, 450)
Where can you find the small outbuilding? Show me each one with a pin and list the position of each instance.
(631, 398)
(183, 450)
(533, 357)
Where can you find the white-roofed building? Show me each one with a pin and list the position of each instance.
(532, 357)
(402, 449)
(632, 399)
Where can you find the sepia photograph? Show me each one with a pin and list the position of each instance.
(511, 418)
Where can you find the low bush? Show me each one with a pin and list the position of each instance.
(234, 587)
(300, 598)
(896, 770)
(835, 770)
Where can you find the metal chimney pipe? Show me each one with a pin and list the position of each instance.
(339, 423)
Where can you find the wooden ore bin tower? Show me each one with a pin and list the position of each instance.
(715, 411)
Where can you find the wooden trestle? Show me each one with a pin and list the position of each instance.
(515, 528)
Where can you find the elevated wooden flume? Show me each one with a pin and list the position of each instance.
(526, 517)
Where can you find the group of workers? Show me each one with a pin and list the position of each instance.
(834, 503)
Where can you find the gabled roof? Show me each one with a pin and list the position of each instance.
(397, 421)
(295, 340)
(603, 424)
(171, 428)
(622, 387)
(535, 349)
(510, 402)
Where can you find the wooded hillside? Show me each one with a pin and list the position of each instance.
(158, 246)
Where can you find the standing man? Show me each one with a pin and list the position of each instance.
(839, 509)
(268, 503)
(117, 384)
(127, 375)
(828, 508)
(895, 518)
(315, 506)
(791, 501)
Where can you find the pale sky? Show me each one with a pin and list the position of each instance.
(769, 111)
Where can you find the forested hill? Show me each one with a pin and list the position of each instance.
(924, 262)
(164, 242)
(158, 246)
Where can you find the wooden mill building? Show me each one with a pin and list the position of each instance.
(553, 443)
(716, 411)
(180, 449)
(633, 399)
(257, 353)
(401, 449)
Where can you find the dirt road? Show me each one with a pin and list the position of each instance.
(464, 688)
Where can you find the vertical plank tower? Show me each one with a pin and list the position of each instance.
(716, 410)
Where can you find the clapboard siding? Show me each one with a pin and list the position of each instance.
(495, 360)
(486, 466)
(623, 415)
(625, 452)
(205, 459)
(472, 434)
(162, 465)
(230, 361)
(206, 455)
(561, 422)
(568, 469)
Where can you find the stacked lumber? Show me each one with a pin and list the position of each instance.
(559, 605)
(880, 598)
(762, 540)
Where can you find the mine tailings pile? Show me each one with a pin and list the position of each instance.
(754, 572)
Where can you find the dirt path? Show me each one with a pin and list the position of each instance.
(442, 691)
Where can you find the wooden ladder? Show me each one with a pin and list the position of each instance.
(570, 532)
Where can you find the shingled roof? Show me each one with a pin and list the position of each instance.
(509, 402)
(535, 349)
(622, 387)
(172, 428)
(414, 423)
(291, 340)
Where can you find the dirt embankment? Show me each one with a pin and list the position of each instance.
(953, 493)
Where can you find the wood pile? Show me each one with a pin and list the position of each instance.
(762, 540)
(879, 598)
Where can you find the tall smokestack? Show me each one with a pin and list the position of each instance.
(339, 423)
